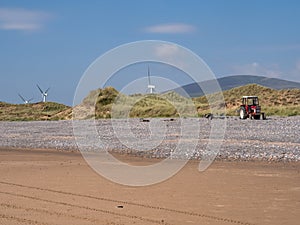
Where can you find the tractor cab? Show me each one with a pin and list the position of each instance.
(250, 100)
(250, 108)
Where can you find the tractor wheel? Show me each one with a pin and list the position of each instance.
(257, 117)
(243, 114)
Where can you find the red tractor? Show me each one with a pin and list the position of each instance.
(250, 108)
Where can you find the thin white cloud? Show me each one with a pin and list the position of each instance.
(172, 53)
(288, 47)
(295, 74)
(22, 19)
(258, 69)
(166, 50)
(298, 66)
(171, 28)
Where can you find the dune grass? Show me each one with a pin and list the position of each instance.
(32, 111)
(273, 102)
(108, 102)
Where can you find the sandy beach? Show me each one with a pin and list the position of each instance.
(57, 187)
(150, 112)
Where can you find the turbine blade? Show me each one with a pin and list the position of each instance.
(47, 90)
(29, 100)
(39, 88)
(22, 98)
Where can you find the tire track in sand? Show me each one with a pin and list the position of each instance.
(49, 212)
(21, 220)
(189, 213)
(86, 207)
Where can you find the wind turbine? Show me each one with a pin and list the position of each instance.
(24, 100)
(151, 87)
(44, 93)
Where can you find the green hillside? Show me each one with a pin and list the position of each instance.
(109, 100)
(34, 111)
(273, 102)
(171, 104)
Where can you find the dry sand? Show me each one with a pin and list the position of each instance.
(55, 187)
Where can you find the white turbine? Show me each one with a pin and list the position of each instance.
(151, 87)
(44, 93)
(24, 100)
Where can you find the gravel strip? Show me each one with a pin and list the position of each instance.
(275, 139)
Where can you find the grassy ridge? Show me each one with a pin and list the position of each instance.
(109, 101)
(34, 111)
(102, 103)
(171, 104)
(273, 102)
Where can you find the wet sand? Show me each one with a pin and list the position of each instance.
(57, 187)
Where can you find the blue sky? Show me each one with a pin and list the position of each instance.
(51, 43)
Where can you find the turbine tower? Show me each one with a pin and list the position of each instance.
(151, 87)
(44, 93)
(24, 100)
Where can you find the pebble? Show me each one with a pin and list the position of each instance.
(274, 139)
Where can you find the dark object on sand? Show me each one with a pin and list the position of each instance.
(144, 120)
(208, 116)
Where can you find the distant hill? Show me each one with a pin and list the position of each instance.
(229, 82)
